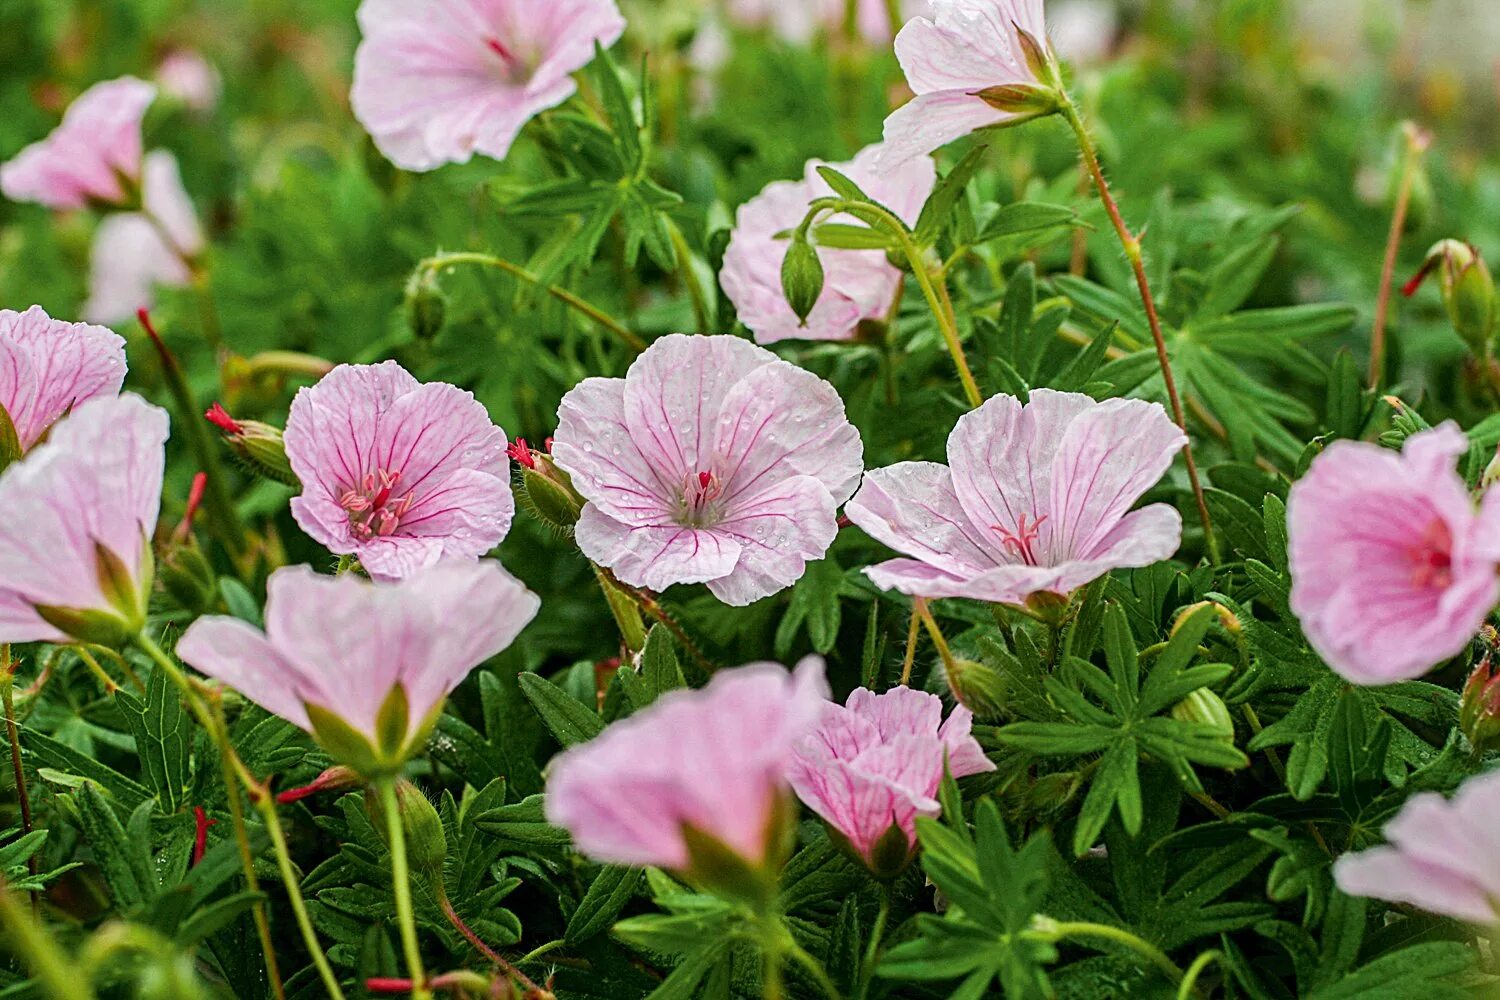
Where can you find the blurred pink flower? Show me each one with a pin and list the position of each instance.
(186, 76)
(876, 763)
(398, 473)
(858, 284)
(1443, 856)
(712, 461)
(136, 252)
(715, 759)
(94, 156)
(93, 487)
(1393, 570)
(965, 47)
(1035, 499)
(343, 644)
(873, 19)
(798, 20)
(48, 367)
(436, 81)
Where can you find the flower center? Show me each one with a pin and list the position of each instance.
(516, 67)
(1432, 558)
(1021, 540)
(699, 493)
(374, 511)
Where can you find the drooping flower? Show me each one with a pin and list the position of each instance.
(1393, 569)
(1443, 855)
(364, 666)
(48, 367)
(134, 252)
(186, 76)
(713, 760)
(874, 764)
(436, 81)
(1035, 499)
(712, 461)
(75, 544)
(398, 473)
(858, 284)
(92, 157)
(970, 68)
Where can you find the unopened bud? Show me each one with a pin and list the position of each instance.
(546, 490)
(187, 576)
(978, 687)
(258, 446)
(802, 276)
(1479, 710)
(1038, 55)
(1208, 709)
(335, 778)
(1468, 291)
(1023, 100)
(426, 842)
(426, 305)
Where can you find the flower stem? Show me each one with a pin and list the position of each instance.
(493, 956)
(1132, 245)
(1415, 143)
(401, 877)
(1055, 931)
(912, 631)
(567, 298)
(25, 938)
(689, 277)
(1189, 985)
(265, 804)
(946, 654)
(625, 611)
(13, 735)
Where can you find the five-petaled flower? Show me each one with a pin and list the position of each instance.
(858, 285)
(1035, 499)
(712, 461)
(436, 81)
(48, 367)
(1393, 568)
(398, 473)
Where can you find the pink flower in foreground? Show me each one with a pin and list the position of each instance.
(715, 760)
(94, 156)
(80, 510)
(134, 254)
(1443, 856)
(875, 763)
(1035, 499)
(398, 473)
(1393, 570)
(858, 284)
(335, 648)
(436, 81)
(966, 49)
(48, 367)
(712, 461)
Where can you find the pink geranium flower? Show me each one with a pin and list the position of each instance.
(798, 20)
(136, 252)
(858, 284)
(398, 473)
(48, 367)
(875, 763)
(80, 511)
(951, 59)
(186, 76)
(339, 646)
(1035, 499)
(712, 461)
(1393, 570)
(93, 157)
(1443, 856)
(436, 81)
(715, 760)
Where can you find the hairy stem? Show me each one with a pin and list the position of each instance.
(13, 735)
(936, 634)
(401, 877)
(1415, 144)
(1054, 931)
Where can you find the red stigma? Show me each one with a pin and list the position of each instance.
(200, 836)
(493, 44)
(521, 452)
(195, 498)
(1410, 288)
(704, 478)
(220, 418)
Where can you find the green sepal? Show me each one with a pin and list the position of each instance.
(344, 743)
(97, 628)
(10, 441)
(124, 592)
(392, 723)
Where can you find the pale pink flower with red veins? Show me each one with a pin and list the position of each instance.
(401, 474)
(86, 499)
(342, 644)
(1034, 499)
(715, 759)
(1393, 569)
(436, 81)
(1443, 855)
(48, 367)
(712, 461)
(135, 253)
(93, 157)
(965, 47)
(858, 284)
(875, 763)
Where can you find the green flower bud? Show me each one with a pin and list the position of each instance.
(426, 305)
(1479, 710)
(1208, 709)
(801, 276)
(547, 491)
(1468, 291)
(978, 687)
(426, 841)
(258, 446)
(1024, 100)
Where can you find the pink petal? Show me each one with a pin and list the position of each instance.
(97, 142)
(47, 367)
(239, 655)
(912, 508)
(931, 121)
(899, 711)
(655, 556)
(779, 531)
(593, 445)
(1386, 873)
(969, 45)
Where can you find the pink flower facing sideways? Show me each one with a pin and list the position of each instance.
(1443, 855)
(1393, 568)
(436, 81)
(75, 559)
(335, 649)
(398, 473)
(858, 284)
(93, 157)
(874, 764)
(715, 760)
(48, 367)
(712, 461)
(967, 50)
(1034, 499)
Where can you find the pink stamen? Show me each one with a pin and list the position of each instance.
(494, 45)
(1022, 538)
(372, 510)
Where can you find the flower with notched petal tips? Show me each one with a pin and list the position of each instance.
(48, 367)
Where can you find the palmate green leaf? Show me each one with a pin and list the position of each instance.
(937, 212)
(162, 738)
(569, 721)
(814, 608)
(610, 891)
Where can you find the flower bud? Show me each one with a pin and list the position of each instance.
(426, 305)
(1208, 709)
(978, 687)
(1468, 291)
(801, 276)
(1479, 710)
(546, 490)
(1024, 100)
(258, 446)
(187, 577)
(426, 841)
